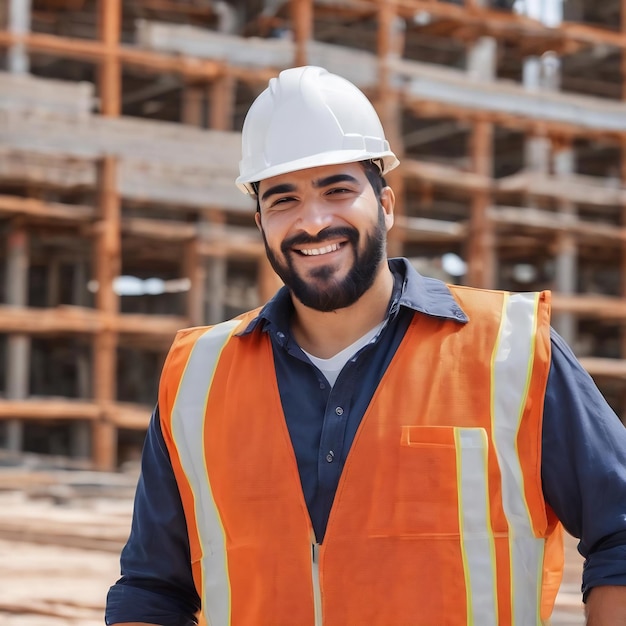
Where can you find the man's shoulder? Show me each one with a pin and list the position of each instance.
(232, 326)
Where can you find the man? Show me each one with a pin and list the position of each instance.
(372, 447)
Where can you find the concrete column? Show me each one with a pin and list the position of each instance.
(18, 346)
(567, 251)
(19, 24)
(80, 433)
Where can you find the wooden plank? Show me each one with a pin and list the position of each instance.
(131, 417)
(157, 229)
(52, 211)
(46, 95)
(48, 409)
(141, 182)
(192, 167)
(64, 320)
(425, 229)
(89, 50)
(445, 175)
(47, 169)
(122, 414)
(590, 306)
(256, 53)
(604, 368)
(529, 217)
(135, 139)
(589, 190)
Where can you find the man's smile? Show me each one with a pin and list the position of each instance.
(331, 247)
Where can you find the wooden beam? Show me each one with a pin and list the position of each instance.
(302, 24)
(425, 229)
(125, 415)
(445, 175)
(605, 368)
(107, 264)
(480, 244)
(69, 320)
(222, 102)
(48, 409)
(588, 190)
(193, 268)
(52, 211)
(158, 229)
(96, 51)
(110, 77)
(590, 306)
(529, 217)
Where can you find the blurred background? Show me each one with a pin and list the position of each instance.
(120, 221)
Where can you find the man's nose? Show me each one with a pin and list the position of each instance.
(313, 216)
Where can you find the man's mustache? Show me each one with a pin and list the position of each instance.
(337, 232)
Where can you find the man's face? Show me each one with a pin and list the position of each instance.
(325, 232)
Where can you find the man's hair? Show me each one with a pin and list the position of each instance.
(376, 179)
(372, 173)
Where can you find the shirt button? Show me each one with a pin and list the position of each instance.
(280, 335)
(330, 456)
(339, 411)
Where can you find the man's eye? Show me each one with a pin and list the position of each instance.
(338, 190)
(283, 200)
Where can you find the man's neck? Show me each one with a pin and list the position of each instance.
(324, 334)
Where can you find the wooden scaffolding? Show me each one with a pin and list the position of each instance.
(119, 144)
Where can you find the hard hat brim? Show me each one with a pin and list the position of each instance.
(337, 157)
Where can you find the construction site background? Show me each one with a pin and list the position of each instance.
(120, 221)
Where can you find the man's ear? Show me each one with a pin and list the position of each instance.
(388, 202)
(257, 219)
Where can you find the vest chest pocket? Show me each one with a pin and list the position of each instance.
(439, 472)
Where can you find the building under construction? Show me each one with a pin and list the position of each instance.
(119, 145)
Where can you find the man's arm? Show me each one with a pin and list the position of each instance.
(606, 606)
(584, 471)
(156, 587)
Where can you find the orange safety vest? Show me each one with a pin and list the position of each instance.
(439, 517)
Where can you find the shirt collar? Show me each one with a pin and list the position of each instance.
(412, 290)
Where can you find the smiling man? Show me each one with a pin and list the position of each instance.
(371, 447)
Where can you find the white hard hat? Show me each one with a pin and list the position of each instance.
(308, 117)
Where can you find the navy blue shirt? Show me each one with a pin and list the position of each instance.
(583, 455)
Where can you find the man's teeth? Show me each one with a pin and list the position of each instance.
(325, 250)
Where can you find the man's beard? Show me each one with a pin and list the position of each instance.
(323, 292)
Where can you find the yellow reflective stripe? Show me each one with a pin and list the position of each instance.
(479, 559)
(511, 370)
(317, 589)
(188, 415)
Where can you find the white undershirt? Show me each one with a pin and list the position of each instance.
(331, 367)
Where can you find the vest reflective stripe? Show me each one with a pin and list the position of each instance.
(479, 561)
(512, 366)
(187, 427)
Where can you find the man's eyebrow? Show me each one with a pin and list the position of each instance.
(276, 189)
(335, 178)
